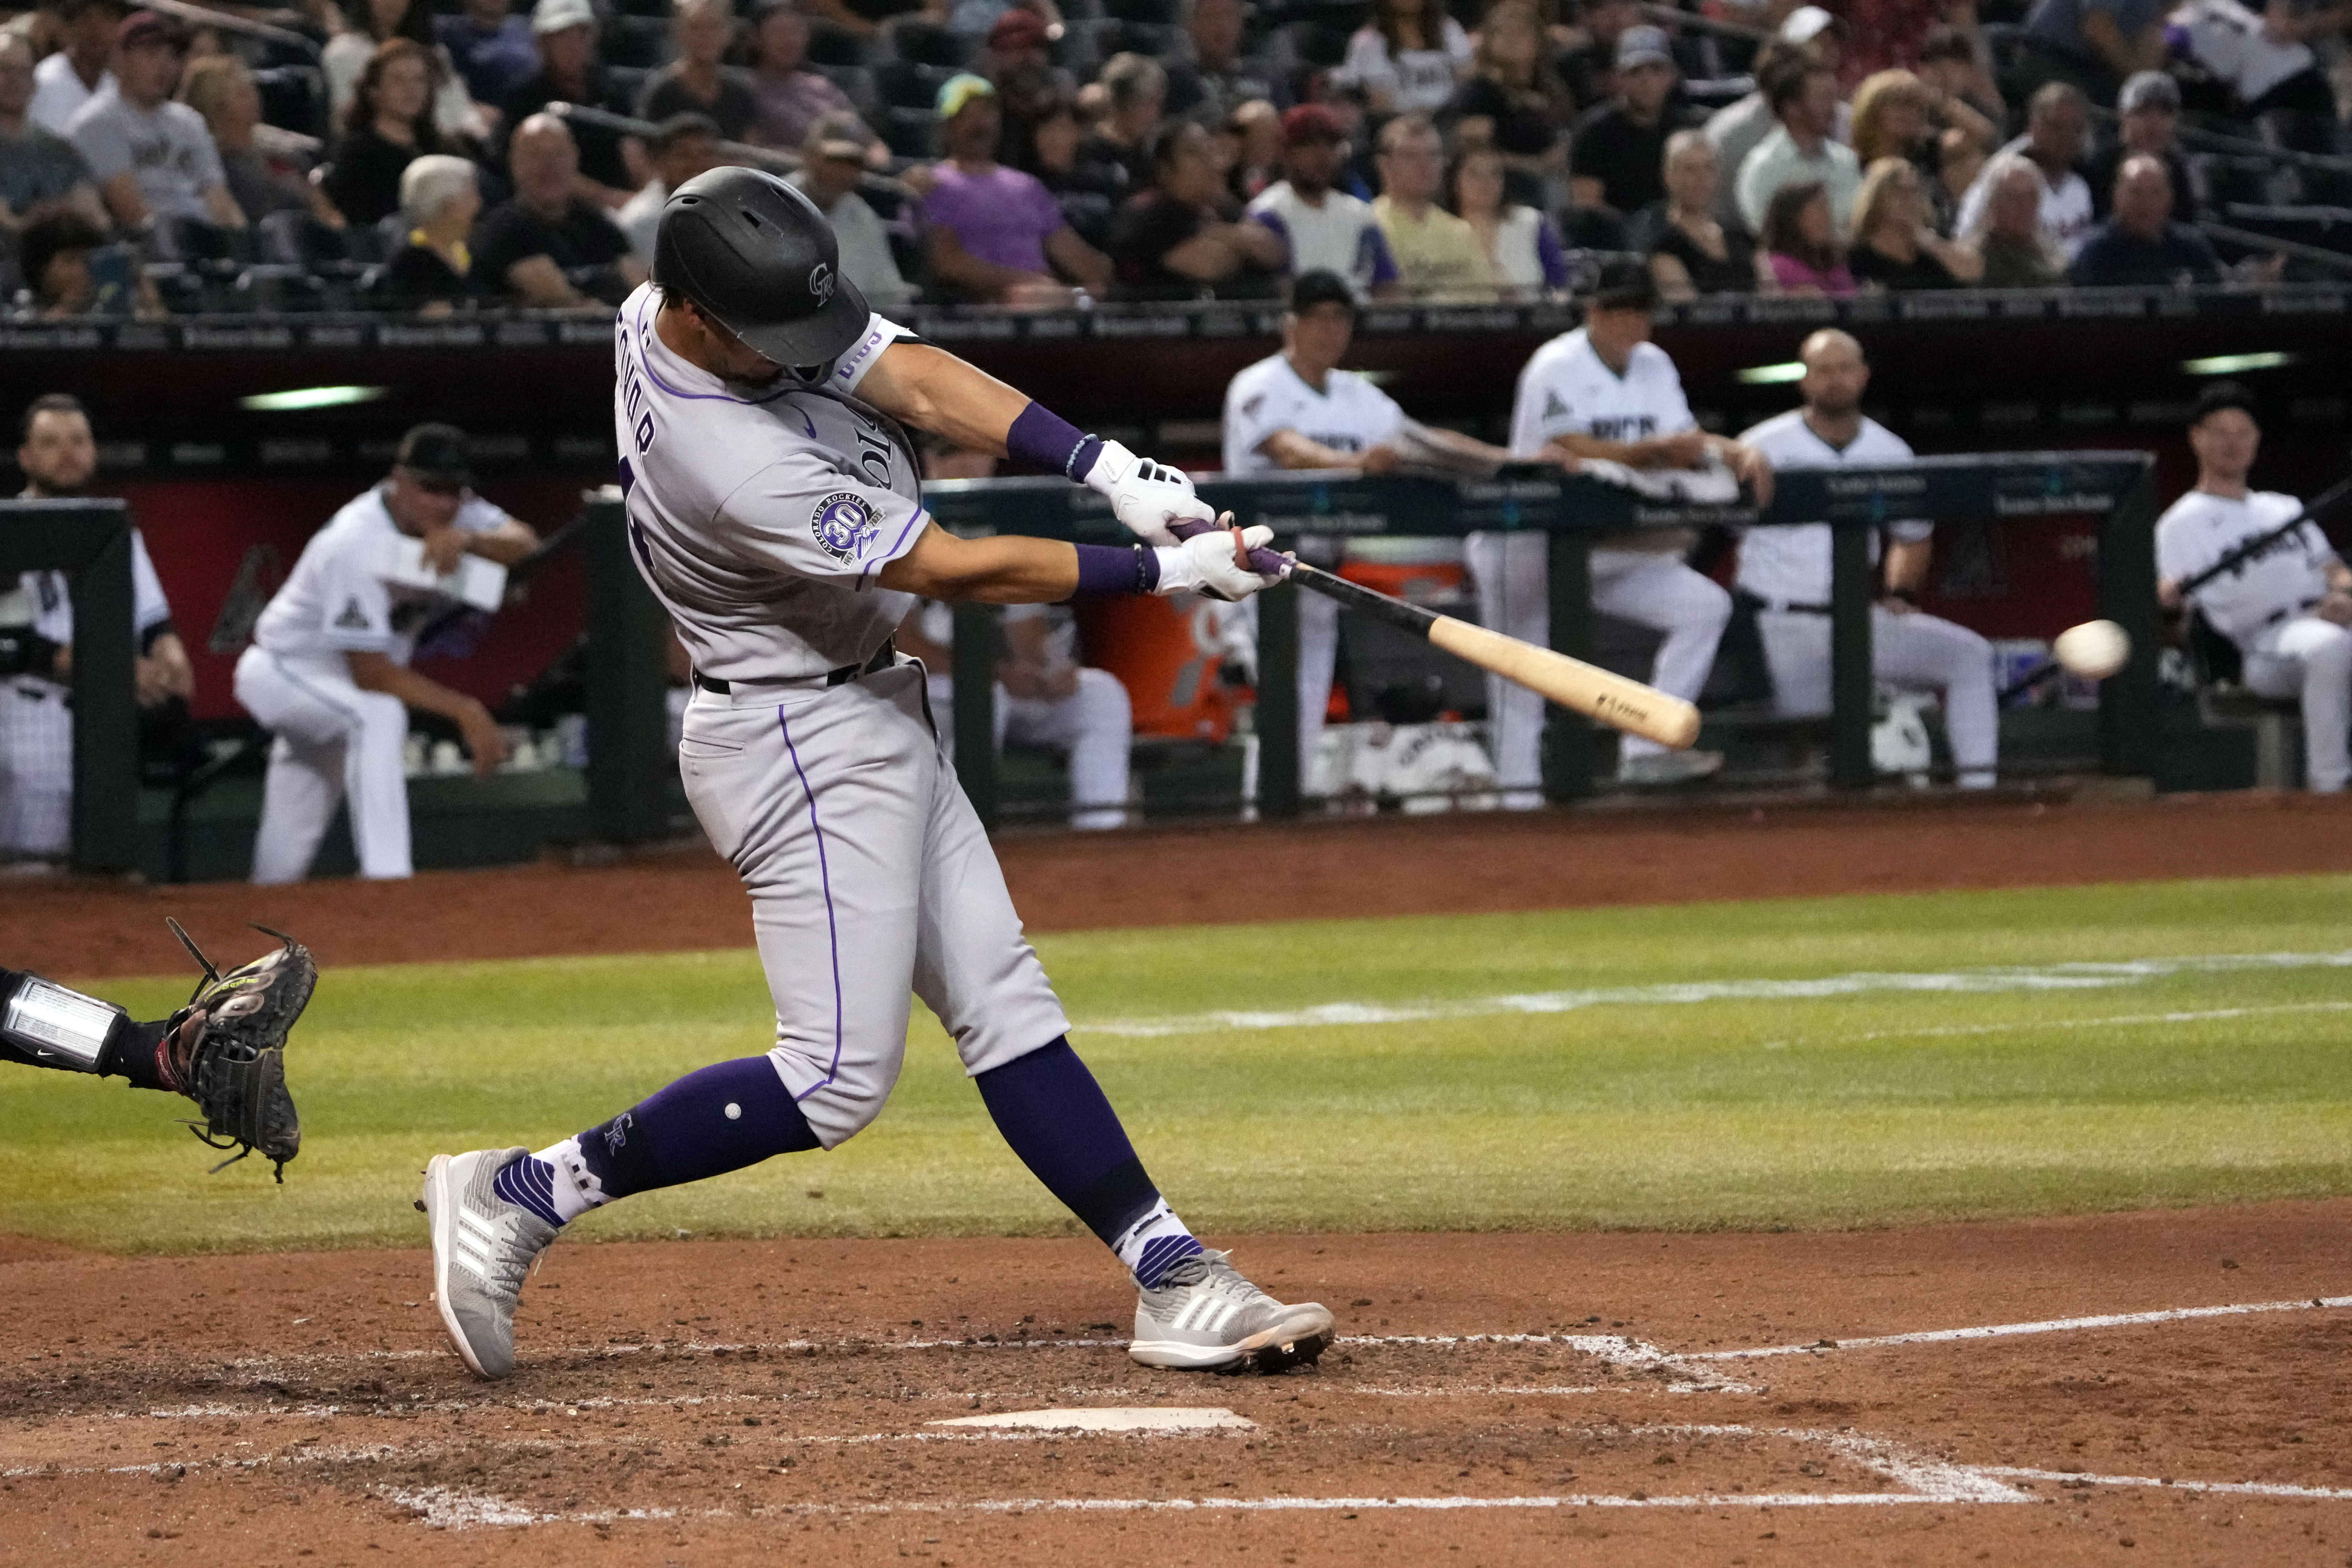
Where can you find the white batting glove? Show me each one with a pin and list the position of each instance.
(1146, 496)
(1211, 564)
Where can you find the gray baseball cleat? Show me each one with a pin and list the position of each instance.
(482, 1248)
(1206, 1317)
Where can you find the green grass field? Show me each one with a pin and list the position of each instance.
(2038, 1090)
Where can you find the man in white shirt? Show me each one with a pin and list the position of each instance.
(681, 147)
(80, 70)
(833, 163)
(2287, 607)
(2057, 128)
(1802, 148)
(1297, 409)
(1328, 230)
(1786, 570)
(1604, 391)
(329, 671)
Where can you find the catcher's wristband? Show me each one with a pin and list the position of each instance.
(59, 1027)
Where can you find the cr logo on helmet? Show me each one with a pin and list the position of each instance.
(821, 283)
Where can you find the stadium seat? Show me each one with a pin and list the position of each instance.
(906, 84)
(909, 132)
(928, 44)
(639, 42)
(2224, 703)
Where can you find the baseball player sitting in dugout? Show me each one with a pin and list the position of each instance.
(328, 670)
(1786, 571)
(774, 509)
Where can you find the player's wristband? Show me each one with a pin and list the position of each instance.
(1041, 437)
(1108, 569)
(24, 651)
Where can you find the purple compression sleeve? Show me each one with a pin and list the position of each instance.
(1040, 436)
(1107, 569)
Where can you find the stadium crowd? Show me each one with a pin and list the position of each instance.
(436, 155)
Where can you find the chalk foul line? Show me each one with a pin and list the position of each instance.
(2008, 1331)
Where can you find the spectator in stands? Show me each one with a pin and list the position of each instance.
(2058, 120)
(83, 66)
(1696, 252)
(1616, 160)
(1207, 79)
(152, 158)
(2007, 230)
(1436, 254)
(864, 18)
(433, 271)
(1800, 243)
(992, 234)
(1522, 247)
(1323, 228)
(1049, 149)
(1821, 34)
(2149, 123)
(550, 246)
(1895, 244)
(1407, 60)
(388, 126)
(1183, 237)
(787, 97)
(570, 72)
(833, 162)
(1018, 61)
(1951, 64)
(39, 174)
(2265, 59)
(681, 147)
(490, 47)
(1800, 151)
(2093, 44)
(1588, 61)
(263, 172)
(1958, 161)
(1254, 132)
(1137, 92)
(2141, 245)
(695, 82)
(1734, 130)
(72, 271)
(1515, 103)
(1890, 119)
(366, 28)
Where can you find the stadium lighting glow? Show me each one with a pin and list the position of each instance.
(2235, 364)
(1773, 375)
(310, 397)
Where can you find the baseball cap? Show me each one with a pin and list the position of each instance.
(1625, 286)
(959, 89)
(555, 16)
(1643, 46)
(1806, 23)
(1304, 122)
(2149, 89)
(836, 135)
(150, 27)
(2224, 395)
(439, 456)
(1320, 287)
(1018, 29)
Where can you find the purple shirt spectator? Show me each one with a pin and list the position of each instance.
(1002, 217)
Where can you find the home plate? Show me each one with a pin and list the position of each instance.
(1113, 1418)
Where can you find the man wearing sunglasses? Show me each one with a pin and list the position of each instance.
(328, 670)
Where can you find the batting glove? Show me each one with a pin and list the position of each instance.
(1146, 496)
(1213, 563)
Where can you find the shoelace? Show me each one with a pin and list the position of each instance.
(512, 1264)
(1214, 1270)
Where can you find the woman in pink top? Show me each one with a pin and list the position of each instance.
(1801, 242)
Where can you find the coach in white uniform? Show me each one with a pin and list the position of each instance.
(59, 457)
(1297, 409)
(2287, 607)
(328, 670)
(1786, 570)
(1605, 391)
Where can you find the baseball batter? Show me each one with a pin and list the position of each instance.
(1786, 570)
(59, 456)
(773, 506)
(328, 670)
(2288, 608)
(1605, 391)
(1299, 409)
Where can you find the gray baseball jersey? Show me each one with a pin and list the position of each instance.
(761, 518)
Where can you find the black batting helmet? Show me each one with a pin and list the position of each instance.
(755, 256)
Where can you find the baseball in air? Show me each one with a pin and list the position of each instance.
(2094, 650)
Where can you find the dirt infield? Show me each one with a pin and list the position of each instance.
(1498, 1399)
(1462, 864)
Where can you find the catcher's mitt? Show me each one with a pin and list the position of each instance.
(227, 1049)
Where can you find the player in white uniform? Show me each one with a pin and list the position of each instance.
(58, 458)
(2286, 607)
(1605, 391)
(328, 670)
(775, 509)
(1787, 569)
(1297, 409)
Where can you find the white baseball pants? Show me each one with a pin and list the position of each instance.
(869, 876)
(2310, 659)
(1650, 589)
(1911, 650)
(36, 769)
(336, 744)
(1094, 725)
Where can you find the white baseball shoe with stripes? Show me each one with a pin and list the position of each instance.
(1205, 1317)
(482, 1248)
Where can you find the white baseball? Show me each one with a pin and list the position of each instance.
(2094, 650)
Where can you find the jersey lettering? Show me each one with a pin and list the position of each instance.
(1623, 428)
(873, 452)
